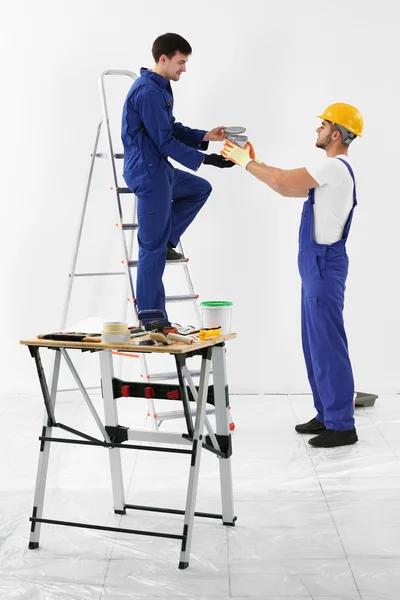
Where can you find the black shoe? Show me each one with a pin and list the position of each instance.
(157, 326)
(172, 254)
(331, 438)
(312, 426)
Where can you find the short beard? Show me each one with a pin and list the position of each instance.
(323, 145)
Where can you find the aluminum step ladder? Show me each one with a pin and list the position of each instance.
(128, 237)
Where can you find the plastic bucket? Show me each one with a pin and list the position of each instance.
(217, 314)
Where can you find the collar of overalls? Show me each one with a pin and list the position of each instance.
(162, 82)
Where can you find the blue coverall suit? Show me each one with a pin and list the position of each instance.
(323, 270)
(168, 198)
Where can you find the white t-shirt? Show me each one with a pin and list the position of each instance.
(333, 198)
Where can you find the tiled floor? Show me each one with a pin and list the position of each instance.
(320, 524)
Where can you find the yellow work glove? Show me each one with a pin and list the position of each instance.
(240, 156)
(253, 154)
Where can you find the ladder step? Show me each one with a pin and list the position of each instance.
(172, 375)
(130, 226)
(124, 190)
(105, 155)
(181, 298)
(177, 262)
(174, 414)
(134, 263)
(98, 274)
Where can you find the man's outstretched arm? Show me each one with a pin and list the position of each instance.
(293, 183)
(289, 183)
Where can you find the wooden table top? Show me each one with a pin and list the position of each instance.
(132, 346)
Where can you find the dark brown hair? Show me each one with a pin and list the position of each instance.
(169, 44)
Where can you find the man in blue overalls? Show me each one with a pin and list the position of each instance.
(330, 188)
(168, 198)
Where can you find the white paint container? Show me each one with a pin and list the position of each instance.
(217, 313)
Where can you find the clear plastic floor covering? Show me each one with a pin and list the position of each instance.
(311, 523)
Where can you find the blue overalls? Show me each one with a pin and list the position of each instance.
(323, 270)
(168, 198)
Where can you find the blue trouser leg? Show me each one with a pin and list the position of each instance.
(307, 357)
(328, 352)
(165, 210)
(189, 193)
(154, 218)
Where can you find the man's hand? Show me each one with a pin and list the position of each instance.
(215, 135)
(217, 161)
(238, 155)
(253, 154)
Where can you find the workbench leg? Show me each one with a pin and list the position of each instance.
(111, 419)
(221, 397)
(44, 453)
(195, 462)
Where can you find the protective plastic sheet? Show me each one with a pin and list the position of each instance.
(311, 523)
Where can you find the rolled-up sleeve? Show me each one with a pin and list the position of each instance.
(160, 130)
(327, 171)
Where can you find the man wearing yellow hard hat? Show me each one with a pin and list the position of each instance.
(330, 188)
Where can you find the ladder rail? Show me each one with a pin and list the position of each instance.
(123, 241)
(80, 229)
(124, 245)
(189, 282)
(107, 118)
(131, 244)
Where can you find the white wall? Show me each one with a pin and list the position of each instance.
(269, 66)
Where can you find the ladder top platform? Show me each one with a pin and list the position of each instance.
(133, 346)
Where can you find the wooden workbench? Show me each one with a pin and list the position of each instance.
(114, 436)
(132, 346)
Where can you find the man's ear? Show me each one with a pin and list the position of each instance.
(336, 135)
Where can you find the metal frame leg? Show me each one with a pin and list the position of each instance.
(196, 456)
(183, 372)
(111, 419)
(84, 393)
(207, 423)
(44, 453)
(222, 428)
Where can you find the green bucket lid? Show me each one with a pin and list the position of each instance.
(216, 304)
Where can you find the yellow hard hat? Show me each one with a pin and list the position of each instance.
(345, 115)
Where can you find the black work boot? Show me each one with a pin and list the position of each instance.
(172, 254)
(313, 426)
(331, 438)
